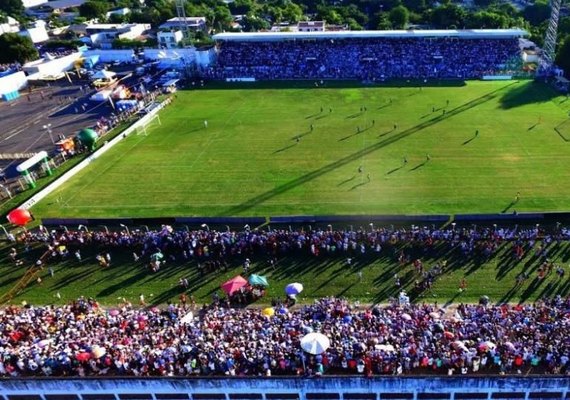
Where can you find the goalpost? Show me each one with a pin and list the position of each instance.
(146, 122)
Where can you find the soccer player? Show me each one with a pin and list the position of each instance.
(206, 124)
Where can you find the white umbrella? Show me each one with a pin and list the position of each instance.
(187, 318)
(385, 347)
(315, 343)
(293, 288)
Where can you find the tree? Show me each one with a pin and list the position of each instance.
(563, 56)
(399, 17)
(93, 9)
(537, 13)
(448, 16)
(252, 23)
(415, 5)
(16, 48)
(12, 8)
(486, 20)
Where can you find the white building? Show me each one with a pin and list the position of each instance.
(103, 35)
(169, 39)
(50, 67)
(33, 3)
(37, 33)
(193, 23)
(12, 26)
(119, 11)
(311, 26)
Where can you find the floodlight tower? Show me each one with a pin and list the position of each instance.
(548, 50)
(182, 21)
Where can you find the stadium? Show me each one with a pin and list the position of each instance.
(387, 208)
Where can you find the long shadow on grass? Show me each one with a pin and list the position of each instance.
(528, 93)
(261, 198)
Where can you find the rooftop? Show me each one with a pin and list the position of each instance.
(462, 34)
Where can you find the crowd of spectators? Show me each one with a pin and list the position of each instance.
(217, 250)
(82, 339)
(7, 69)
(214, 248)
(370, 59)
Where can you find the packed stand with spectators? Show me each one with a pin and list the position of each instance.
(370, 59)
(82, 339)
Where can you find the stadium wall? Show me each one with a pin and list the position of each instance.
(324, 388)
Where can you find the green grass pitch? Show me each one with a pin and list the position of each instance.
(259, 155)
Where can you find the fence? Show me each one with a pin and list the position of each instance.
(290, 388)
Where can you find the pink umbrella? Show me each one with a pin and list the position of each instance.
(448, 335)
(406, 317)
(234, 284)
(114, 312)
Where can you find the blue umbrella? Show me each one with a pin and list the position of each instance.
(258, 280)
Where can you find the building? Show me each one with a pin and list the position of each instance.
(194, 23)
(311, 26)
(12, 26)
(45, 9)
(37, 32)
(103, 35)
(50, 66)
(118, 11)
(169, 39)
(284, 27)
(33, 3)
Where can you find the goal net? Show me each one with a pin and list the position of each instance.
(147, 123)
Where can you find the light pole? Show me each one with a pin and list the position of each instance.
(6, 190)
(5, 231)
(126, 228)
(64, 228)
(47, 127)
(371, 227)
(145, 227)
(106, 229)
(82, 226)
(205, 226)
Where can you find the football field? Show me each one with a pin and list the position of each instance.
(301, 150)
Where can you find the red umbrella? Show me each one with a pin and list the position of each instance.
(19, 216)
(234, 284)
(83, 356)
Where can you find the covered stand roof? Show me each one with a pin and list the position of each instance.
(460, 34)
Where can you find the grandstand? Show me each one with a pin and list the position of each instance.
(367, 55)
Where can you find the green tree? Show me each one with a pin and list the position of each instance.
(537, 13)
(448, 16)
(17, 48)
(486, 20)
(399, 17)
(329, 14)
(483, 3)
(415, 5)
(93, 9)
(563, 56)
(381, 21)
(12, 8)
(253, 23)
(241, 7)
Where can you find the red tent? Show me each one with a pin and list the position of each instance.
(234, 284)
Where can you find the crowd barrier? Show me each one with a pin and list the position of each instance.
(290, 388)
(440, 219)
